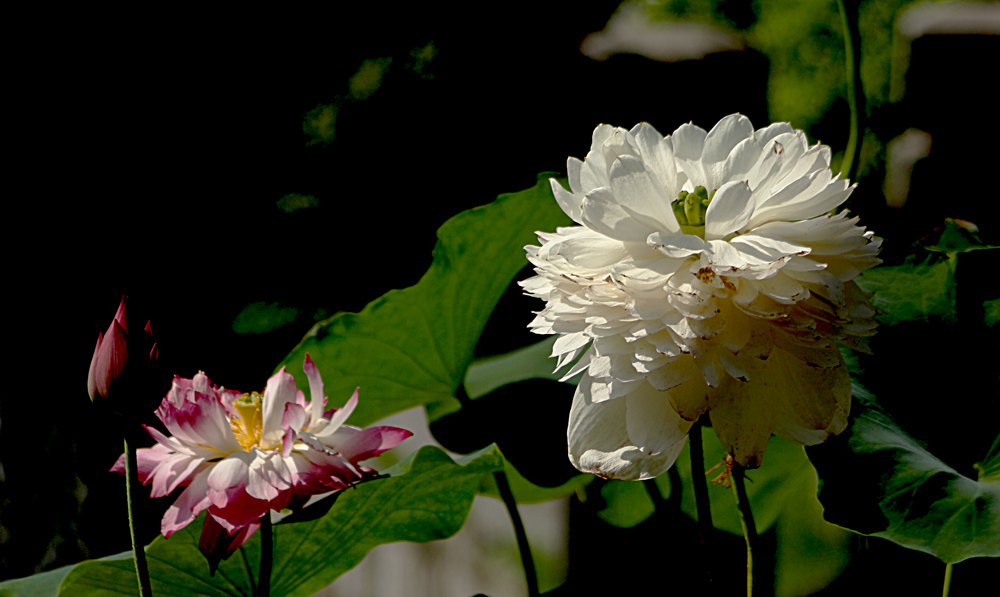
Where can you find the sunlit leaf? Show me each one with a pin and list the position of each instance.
(810, 552)
(426, 498)
(413, 346)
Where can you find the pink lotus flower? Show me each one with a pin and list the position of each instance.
(240, 455)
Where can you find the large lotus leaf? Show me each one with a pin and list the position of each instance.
(770, 488)
(413, 346)
(427, 497)
(877, 480)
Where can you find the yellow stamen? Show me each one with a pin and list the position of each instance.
(246, 420)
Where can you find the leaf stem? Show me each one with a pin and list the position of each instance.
(132, 485)
(947, 580)
(266, 555)
(522, 538)
(855, 91)
(746, 520)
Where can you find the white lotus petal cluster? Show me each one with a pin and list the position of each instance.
(707, 274)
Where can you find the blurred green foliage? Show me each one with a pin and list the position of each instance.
(261, 317)
(805, 44)
(294, 202)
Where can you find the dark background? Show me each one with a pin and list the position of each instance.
(157, 144)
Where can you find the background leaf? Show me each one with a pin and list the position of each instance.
(913, 291)
(426, 498)
(877, 480)
(905, 469)
(413, 346)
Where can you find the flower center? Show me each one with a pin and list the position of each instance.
(246, 420)
(690, 208)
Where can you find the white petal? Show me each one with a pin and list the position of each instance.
(594, 173)
(617, 145)
(769, 132)
(599, 442)
(724, 258)
(676, 245)
(652, 424)
(688, 141)
(602, 213)
(573, 169)
(230, 472)
(730, 210)
(719, 142)
(568, 202)
(280, 391)
(641, 194)
(658, 155)
(741, 160)
(673, 374)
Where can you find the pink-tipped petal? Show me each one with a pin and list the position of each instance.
(109, 360)
(371, 442)
(92, 374)
(316, 398)
(189, 504)
(294, 417)
(340, 415)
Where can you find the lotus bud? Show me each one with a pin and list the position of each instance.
(121, 369)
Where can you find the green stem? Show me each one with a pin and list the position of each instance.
(703, 505)
(746, 521)
(266, 556)
(947, 580)
(855, 92)
(701, 500)
(132, 485)
(522, 538)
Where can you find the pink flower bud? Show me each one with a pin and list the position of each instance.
(120, 370)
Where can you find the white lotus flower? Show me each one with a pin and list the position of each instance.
(707, 274)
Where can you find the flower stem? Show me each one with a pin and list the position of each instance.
(131, 485)
(266, 556)
(698, 479)
(855, 93)
(947, 580)
(522, 538)
(702, 504)
(746, 521)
